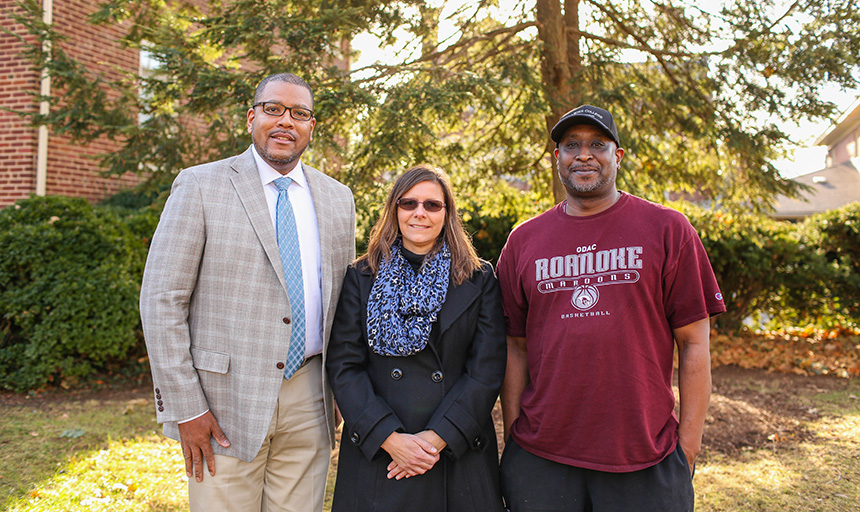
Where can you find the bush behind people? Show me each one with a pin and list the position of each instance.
(70, 275)
(69, 283)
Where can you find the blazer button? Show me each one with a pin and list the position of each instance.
(160, 409)
(396, 374)
(436, 376)
(355, 438)
(157, 390)
(280, 366)
(286, 320)
(158, 396)
(477, 442)
(160, 402)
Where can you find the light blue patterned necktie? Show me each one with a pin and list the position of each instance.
(291, 260)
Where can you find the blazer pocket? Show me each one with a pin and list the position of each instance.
(209, 360)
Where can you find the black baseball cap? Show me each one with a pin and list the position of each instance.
(586, 114)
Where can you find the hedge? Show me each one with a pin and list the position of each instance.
(70, 275)
(69, 284)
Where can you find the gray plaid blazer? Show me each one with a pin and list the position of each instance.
(213, 298)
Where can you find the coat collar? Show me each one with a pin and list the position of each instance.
(246, 180)
(457, 302)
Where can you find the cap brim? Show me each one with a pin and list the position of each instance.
(562, 126)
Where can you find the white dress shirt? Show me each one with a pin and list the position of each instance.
(309, 244)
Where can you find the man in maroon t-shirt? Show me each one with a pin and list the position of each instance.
(598, 291)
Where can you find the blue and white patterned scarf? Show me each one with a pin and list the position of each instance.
(403, 305)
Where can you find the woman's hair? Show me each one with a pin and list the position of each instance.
(464, 259)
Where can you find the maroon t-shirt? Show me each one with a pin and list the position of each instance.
(597, 298)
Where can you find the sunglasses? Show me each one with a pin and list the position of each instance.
(430, 205)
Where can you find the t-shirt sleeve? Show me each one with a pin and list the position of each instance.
(690, 289)
(514, 302)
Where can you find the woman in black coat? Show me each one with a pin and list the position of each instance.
(416, 359)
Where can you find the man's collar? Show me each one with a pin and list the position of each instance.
(268, 173)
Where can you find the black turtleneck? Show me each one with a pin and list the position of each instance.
(415, 260)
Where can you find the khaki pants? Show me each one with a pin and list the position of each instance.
(289, 473)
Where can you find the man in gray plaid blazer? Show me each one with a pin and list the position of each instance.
(217, 315)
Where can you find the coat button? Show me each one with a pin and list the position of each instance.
(160, 402)
(436, 376)
(158, 396)
(355, 438)
(160, 409)
(280, 366)
(396, 374)
(477, 442)
(157, 390)
(286, 320)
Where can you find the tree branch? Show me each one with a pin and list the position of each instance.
(659, 56)
(455, 48)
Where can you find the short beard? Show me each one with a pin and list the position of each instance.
(584, 188)
(280, 161)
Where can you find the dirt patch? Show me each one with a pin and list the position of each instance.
(755, 408)
(140, 387)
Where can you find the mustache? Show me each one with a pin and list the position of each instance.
(290, 134)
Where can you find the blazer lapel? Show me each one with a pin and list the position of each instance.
(246, 180)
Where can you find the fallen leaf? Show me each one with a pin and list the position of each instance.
(73, 433)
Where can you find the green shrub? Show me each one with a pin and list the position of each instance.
(69, 286)
(792, 274)
(825, 293)
(839, 234)
(491, 211)
(754, 257)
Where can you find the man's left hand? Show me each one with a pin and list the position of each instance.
(691, 451)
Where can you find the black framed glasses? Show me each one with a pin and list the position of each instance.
(276, 109)
(430, 205)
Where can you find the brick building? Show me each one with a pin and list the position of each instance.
(50, 164)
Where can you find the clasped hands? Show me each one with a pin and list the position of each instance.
(412, 454)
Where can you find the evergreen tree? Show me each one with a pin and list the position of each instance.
(698, 92)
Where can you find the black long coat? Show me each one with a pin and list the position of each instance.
(450, 387)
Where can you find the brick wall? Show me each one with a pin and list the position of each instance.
(72, 169)
(17, 138)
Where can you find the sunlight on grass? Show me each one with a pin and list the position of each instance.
(64, 456)
(133, 475)
(817, 475)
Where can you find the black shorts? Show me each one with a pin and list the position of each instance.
(534, 484)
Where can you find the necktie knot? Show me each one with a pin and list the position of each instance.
(283, 183)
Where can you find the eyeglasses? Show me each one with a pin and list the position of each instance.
(430, 205)
(276, 109)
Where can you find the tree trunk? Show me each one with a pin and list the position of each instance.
(561, 64)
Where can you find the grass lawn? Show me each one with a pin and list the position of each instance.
(817, 474)
(104, 452)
